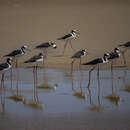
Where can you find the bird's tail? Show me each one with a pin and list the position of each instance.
(120, 45)
(37, 47)
(59, 38)
(85, 64)
(26, 61)
(5, 55)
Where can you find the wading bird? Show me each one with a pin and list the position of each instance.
(3, 68)
(96, 62)
(46, 46)
(112, 57)
(78, 55)
(67, 38)
(15, 54)
(35, 60)
(126, 46)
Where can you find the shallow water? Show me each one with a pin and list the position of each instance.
(63, 110)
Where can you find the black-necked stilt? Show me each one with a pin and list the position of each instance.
(14, 54)
(96, 62)
(46, 45)
(78, 55)
(112, 57)
(3, 68)
(68, 38)
(35, 60)
(17, 53)
(125, 46)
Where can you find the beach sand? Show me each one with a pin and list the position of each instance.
(102, 26)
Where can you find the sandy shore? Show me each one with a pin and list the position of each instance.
(102, 26)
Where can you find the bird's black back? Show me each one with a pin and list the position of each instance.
(3, 66)
(113, 56)
(43, 45)
(94, 62)
(65, 37)
(127, 44)
(14, 53)
(78, 54)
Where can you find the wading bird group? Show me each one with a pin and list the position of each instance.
(14, 55)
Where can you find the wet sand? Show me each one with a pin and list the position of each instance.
(102, 25)
(62, 110)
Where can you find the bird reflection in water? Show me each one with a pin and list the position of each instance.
(95, 107)
(114, 97)
(79, 94)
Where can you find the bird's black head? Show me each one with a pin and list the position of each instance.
(24, 47)
(107, 55)
(54, 45)
(83, 50)
(40, 54)
(117, 50)
(9, 60)
(73, 31)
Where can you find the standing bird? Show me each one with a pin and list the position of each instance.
(15, 54)
(35, 60)
(68, 38)
(126, 46)
(3, 68)
(45, 46)
(113, 56)
(96, 62)
(78, 55)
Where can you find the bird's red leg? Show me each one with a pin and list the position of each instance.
(90, 76)
(3, 97)
(4, 90)
(17, 75)
(112, 75)
(123, 55)
(1, 88)
(65, 47)
(80, 64)
(36, 84)
(98, 78)
(72, 66)
(71, 45)
(11, 77)
(34, 69)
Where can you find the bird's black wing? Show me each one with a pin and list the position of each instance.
(65, 37)
(43, 45)
(127, 44)
(14, 53)
(77, 55)
(3, 66)
(113, 56)
(94, 62)
(31, 60)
